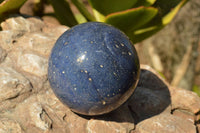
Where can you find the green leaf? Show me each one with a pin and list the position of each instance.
(81, 7)
(80, 18)
(131, 19)
(141, 34)
(63, 12)
(10, 6)
(144, 3)
(168, 17)
(165, 6)
(106, 7)
(156, 24)
(99, 17)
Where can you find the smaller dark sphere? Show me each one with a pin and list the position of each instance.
(93, 68)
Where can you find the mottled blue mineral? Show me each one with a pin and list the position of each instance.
(93, 68)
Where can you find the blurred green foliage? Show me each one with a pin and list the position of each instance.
(196, 89)
(9, 6)
(139, 19)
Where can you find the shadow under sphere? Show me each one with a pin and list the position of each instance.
(150, 98)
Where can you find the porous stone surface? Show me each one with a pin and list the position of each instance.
(27, 103)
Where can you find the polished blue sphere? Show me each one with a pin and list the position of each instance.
(93, 68)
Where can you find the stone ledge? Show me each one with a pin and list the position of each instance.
(27, 103)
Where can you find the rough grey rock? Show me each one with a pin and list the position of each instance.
(9, 126)
(2, 54)
(27, 103)
(192, 104)
(21, 24)
(12, 84)
(165, 123)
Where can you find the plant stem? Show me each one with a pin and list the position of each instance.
(63, 12)
(81, 7)
(99, 17)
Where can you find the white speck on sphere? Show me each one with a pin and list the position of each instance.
(81, 58)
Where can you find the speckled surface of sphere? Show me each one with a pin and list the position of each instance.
(93, 68)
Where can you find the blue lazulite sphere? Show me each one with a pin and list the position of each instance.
(93, 68)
